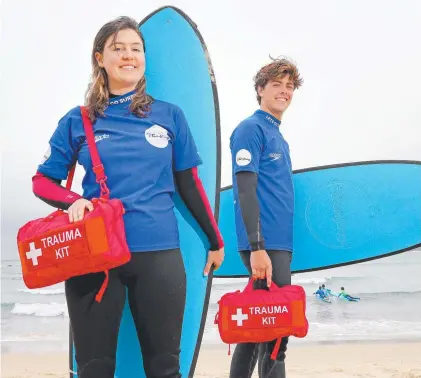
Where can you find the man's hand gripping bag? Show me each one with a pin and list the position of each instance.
(254, 316)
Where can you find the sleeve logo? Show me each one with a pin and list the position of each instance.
(47, 154)
(243, 158)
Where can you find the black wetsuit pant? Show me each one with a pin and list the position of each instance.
(156, 289)
(247, 354)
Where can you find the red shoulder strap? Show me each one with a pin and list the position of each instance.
(70, 176)
(98, 168)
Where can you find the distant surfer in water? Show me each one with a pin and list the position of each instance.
(325, 290)
(320, 293)
(264, 202)
(147, 151)
(344, 294)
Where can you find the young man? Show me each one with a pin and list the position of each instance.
(264, 202)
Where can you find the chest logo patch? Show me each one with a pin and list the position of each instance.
(243, 157)
(157, 136)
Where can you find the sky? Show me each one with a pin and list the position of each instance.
(359, 60)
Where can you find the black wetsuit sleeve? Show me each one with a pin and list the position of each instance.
(194, 196)
(249, 205)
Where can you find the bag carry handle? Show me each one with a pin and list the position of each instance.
(98, 168)
(249, 287)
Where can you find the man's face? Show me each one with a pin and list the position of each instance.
(277, 95)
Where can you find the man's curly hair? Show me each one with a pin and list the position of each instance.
(278, 69)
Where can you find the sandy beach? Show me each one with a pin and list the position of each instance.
(381, 360)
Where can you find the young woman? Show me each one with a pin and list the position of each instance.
(147, 151)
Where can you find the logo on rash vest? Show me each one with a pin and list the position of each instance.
(122, 100)
(256, 314)
(272, 121)
(274, 156)
(157, 136)
(47, 154)
(98, 138)
(243, 158)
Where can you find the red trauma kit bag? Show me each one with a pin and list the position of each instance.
(254, 316)
(52, 249)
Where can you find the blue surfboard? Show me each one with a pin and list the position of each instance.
(336, 295)
(179, 71)
(344, 214)
(326, 300)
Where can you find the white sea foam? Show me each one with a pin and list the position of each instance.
(42, 291)
(357, 330)
(310, 280)
(34, 337)
(40, 309)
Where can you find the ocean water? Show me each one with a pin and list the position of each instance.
(390, 306)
